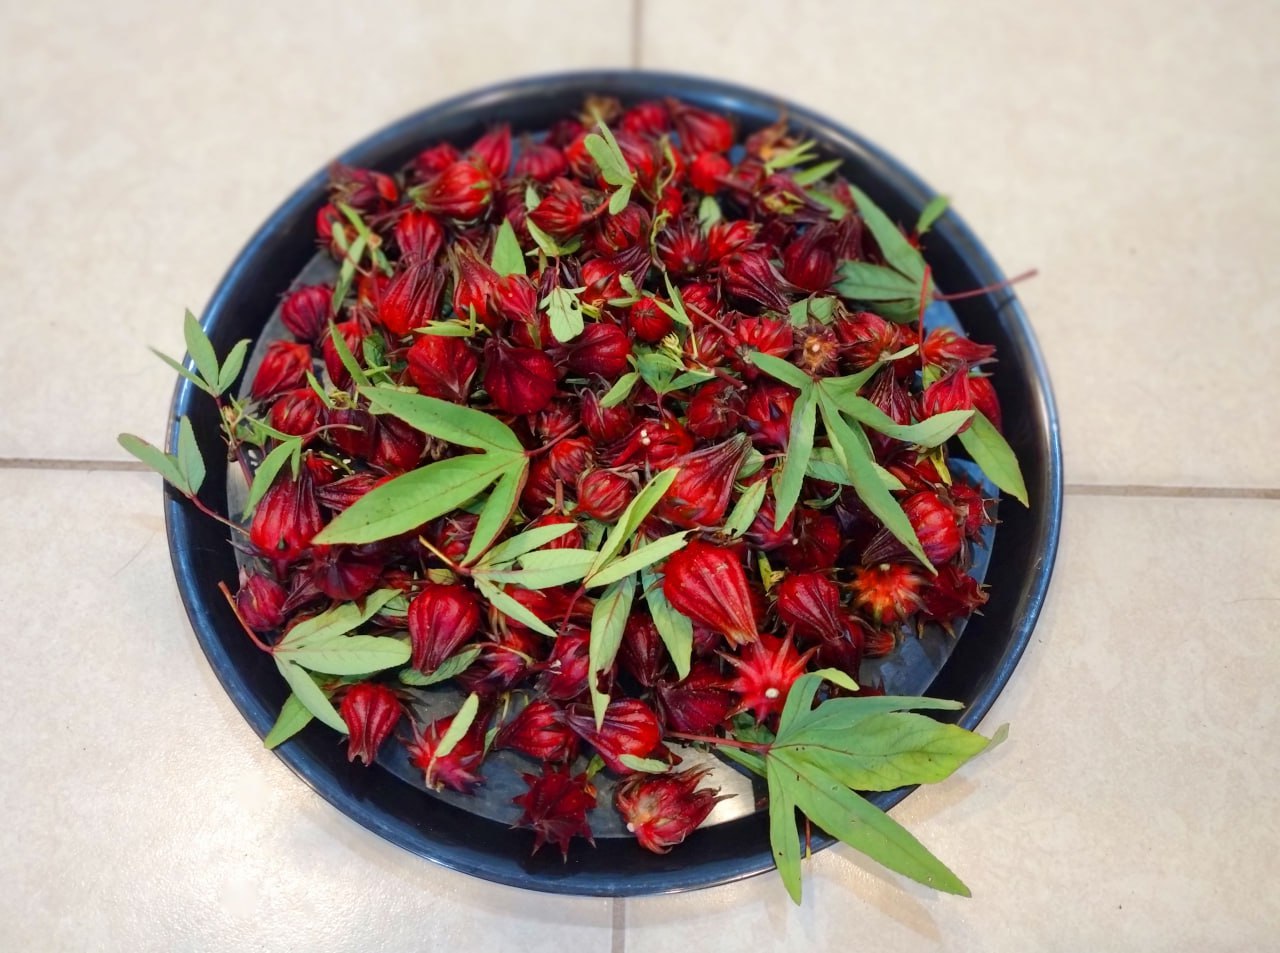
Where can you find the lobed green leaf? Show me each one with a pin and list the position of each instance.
(992, 453)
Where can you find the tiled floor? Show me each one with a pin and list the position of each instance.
(1127, 150)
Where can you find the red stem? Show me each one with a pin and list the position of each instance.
(198, 504)
(231, 601)
(986, 289)
(755, 746)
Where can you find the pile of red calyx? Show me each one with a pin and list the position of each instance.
(620, 429)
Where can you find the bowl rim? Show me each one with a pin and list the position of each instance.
(180, 516)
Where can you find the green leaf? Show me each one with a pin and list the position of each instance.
(510, 607)
(157, 460)
(860, 466)
(675, 628)
(784, 371)
(825, 464)
(311, 695)
(931, 213)
(799, 312)
(454, 423)
(349, 654)
(620, 390)
(458, 728)
(265, 475)
(752, 762)
(638, 559)
(345, 356)
(644, 765)
(613, 164)
(201, 349)
(564, 312)
(372, 242)
(347, 273)
(801, 152)
(990, 451)
(544, 568)
(822, 307)
(190, 460)
(411, 499)
(447, 329)
(549, 245)
(931, 432)
(608, 622)
(843, 714)
(195, 379)
(498, 509)
(784, 838)
(841, 388)
(709, 212)
(337, 621)
(863, 281)
(897, 251)
(292, 719)
(676, 309)
(790, 479)
(836, 209)
(744, 511)
(232, 365)
(525, 542)
(453, 665)
(633, 516)
(620, 198)
(815, 173)
(508, 258)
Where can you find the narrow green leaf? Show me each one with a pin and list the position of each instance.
(801, 152)
(815, 173)
(266, 472)
(843, 714)
(498, 508)
(744, 511)
(752, 762)
(564, 313)
(157, 460)
(349, 654)
(799, 312)
(454, 423)
(638, 559)
(459, 727)
(784, 838)
(634, 515)
(232, 365)
(337, 621)
(292, 719)
(790, 478)
(825, 464)
(709, 212)
(675, 628)
(608, 622)
(525, 542)
(453, 665)
(644, 765)
(840, 388)
(863, 281)
(931, 432)
(931, 213)
(549, 245)
(895, 248)
(311, 696)
(836, 209)
(544, 568)
(346, 274)
(508, 258)
(676, 309)
(201, 349)
(510, 607)
(413, 498)
(862, 826)
(688, 379)
(446, 329)
(859, 464)
(990, 451)
(195, 379)
(620, 198)
(800, 698)
(346, 357)
(784, 371)
(620, 390)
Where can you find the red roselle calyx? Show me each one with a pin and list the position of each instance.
(540, 732)
(811, 602)
(442, 367)
(555, 807)
(520, 380)
(706, 582)
(630, 727)
(441, 619)
(663, 810)
(700, 494)
(305, 312)
(371, 712)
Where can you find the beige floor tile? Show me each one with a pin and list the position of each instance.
(141, 144)
(1135, 804)
(141, 812)
(1126, 149)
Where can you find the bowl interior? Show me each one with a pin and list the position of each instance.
(979, 665)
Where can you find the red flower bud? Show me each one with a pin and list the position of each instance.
(554, 420)
(845, 651)
(555, 807)
(260, 602)
(716, 409)
(371, 712)
(749, 275)
(682, 248)
(768, 414)
(629, 727)
(463, 190)
(431, 162)
(707, 171)
(697, 704)
(328, 222)
(654, 442)
(699, 496)
(411, 299)
(305, 312)
(520, 380)
(648, 119)
(494, 150)
(889, 591)
(662, 810)
(809, 262)
(600, 349)
(649, 322)
(706, 582)
(817, 541)
(286, 518)
(350, 430)
(985, 401)
(570, 540)
(604, 494)
(442, 618)
(641, 652)
(419, 235)
(352, 336)
(451, 535)
(603, 276)
(459, 769)
(701, 298)
(617, 233)
(867, 338)
(503, 664)
(671, 202)
(604, 424)
(340, 494)
(515, 298)
(397, 446)
(346, 573)
(700, 130)
(540, 732)
(362, 189)
(951, 594)
(811, 602)
(571, 457)
(564, 674)
(818, 351)
(877, 643)
(764, 334)
(563, 211)
(767, 668)
(887, 392)
(970, 508)
(283, 368)
(540, 488)
(946, 348)
(475, 285)
(540, 162)
(947, 394)
(297, 412)
(725, 238)
(442, 367)
(762, 534)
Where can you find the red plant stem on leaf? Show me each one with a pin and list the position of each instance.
(756, 746)
(231, 601)
(199, 504)
(987, 289)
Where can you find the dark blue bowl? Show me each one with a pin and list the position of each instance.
(978, 668)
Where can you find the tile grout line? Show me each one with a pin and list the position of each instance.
(30, 463)
(619, 917)
(637, 31)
